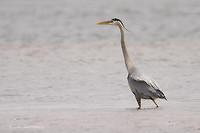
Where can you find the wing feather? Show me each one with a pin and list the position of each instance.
(139, 76)
(143, 85)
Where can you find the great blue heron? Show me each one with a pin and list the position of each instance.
(141, 85)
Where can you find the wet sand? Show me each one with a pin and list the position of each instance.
(83, 88)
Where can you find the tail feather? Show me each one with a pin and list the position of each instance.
(161, 94)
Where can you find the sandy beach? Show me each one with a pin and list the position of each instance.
(83, 88)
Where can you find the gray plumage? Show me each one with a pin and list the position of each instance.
(141, 85)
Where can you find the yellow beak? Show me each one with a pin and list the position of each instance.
(105, 22)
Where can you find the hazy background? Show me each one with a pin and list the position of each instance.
(60, 72)
(38, 22)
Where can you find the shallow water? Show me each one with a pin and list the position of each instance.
(78, 82)
(74, 88)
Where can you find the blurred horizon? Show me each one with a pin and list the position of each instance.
(29, 22)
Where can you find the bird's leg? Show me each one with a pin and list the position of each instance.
(139, 102)
(155, 102)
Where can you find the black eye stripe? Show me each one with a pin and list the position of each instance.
(116, 19)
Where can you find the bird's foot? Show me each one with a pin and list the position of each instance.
(139, 108)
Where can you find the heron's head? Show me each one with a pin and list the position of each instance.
(114, 21)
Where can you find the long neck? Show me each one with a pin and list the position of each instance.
(127, 59)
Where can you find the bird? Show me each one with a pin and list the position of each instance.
(141, 85)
